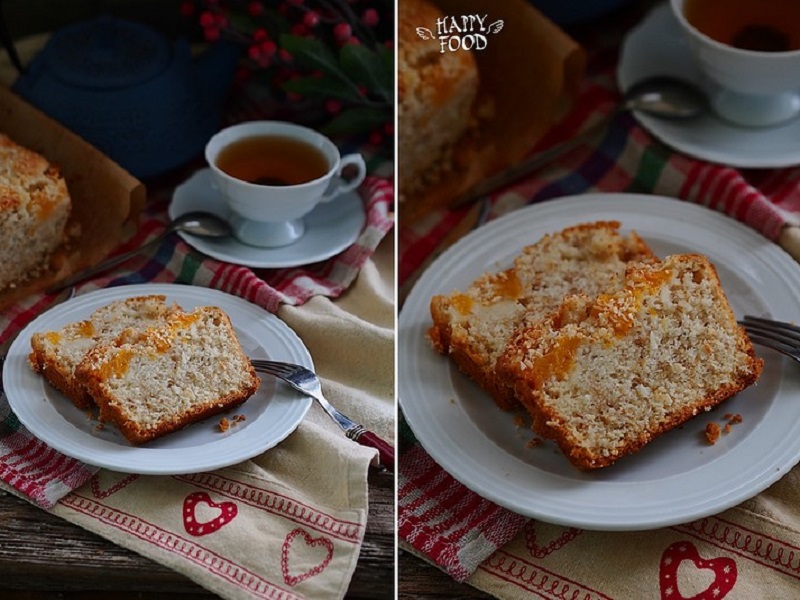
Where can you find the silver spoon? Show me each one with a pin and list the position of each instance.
(202, 224)
(663, 97)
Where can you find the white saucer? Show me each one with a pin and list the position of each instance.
(330, 228)
(656, 47)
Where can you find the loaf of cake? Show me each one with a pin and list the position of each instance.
(34, 209)
(436, 93)
(55, 354)
(473, 326)
(605, 375)
(153, 382)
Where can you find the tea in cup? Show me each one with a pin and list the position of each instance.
(271, 174)
(749, 53)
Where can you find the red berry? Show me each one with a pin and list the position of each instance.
(255, 8)
(260, 34)
(353, 40)
(342, 32)
(370, 17)
(299, 29)
(284, 55)
(269, 48)
(388, 129)
(311, 19)
(207, 19)
(187, 8)
(375, 138)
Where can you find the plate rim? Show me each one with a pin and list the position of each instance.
(463, 469)
(127, 460)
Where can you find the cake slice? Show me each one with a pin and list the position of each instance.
(35, 206)
(153, 382)
(55, 354)
(604, 376)
(473, 326)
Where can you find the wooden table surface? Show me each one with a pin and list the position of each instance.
(421, 581)
(43, 557)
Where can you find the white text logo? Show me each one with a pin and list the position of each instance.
(465, 32)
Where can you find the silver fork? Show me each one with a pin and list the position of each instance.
(306, 382)
(778, 335)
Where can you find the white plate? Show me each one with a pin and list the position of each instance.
(678, 477)
(331, 228)
(271, 414)
(656, 47)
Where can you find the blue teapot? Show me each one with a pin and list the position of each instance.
(143, 101)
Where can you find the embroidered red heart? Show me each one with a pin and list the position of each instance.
(724, 570)
(227, 512)
(100, 493)
(556, 543)
(301, 555)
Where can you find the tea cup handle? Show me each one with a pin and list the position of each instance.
(342, 186)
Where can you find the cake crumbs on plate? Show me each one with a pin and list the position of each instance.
(225, 423)
(534, 442)
(713, 430)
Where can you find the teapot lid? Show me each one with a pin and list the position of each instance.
(106, 52)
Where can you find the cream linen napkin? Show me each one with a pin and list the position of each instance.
(289, 523)
(750, 551)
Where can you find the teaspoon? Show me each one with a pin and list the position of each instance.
(663, 97)
(196, 223)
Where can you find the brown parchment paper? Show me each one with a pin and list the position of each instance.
(106, 199)
(529, 74)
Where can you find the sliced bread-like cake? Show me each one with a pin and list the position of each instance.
(604, 376)
(55, 354)
(153, 382)
(473, 326)
(35, 206)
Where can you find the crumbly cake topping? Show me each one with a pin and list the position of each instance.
(28, 183)
(604, 377)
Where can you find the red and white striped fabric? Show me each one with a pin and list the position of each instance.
(445, 521)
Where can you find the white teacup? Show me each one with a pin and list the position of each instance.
(747, 87)
(272, 215)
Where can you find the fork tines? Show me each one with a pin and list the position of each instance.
(272, 367)
(780, 336)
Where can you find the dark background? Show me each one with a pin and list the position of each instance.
(26, 17)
